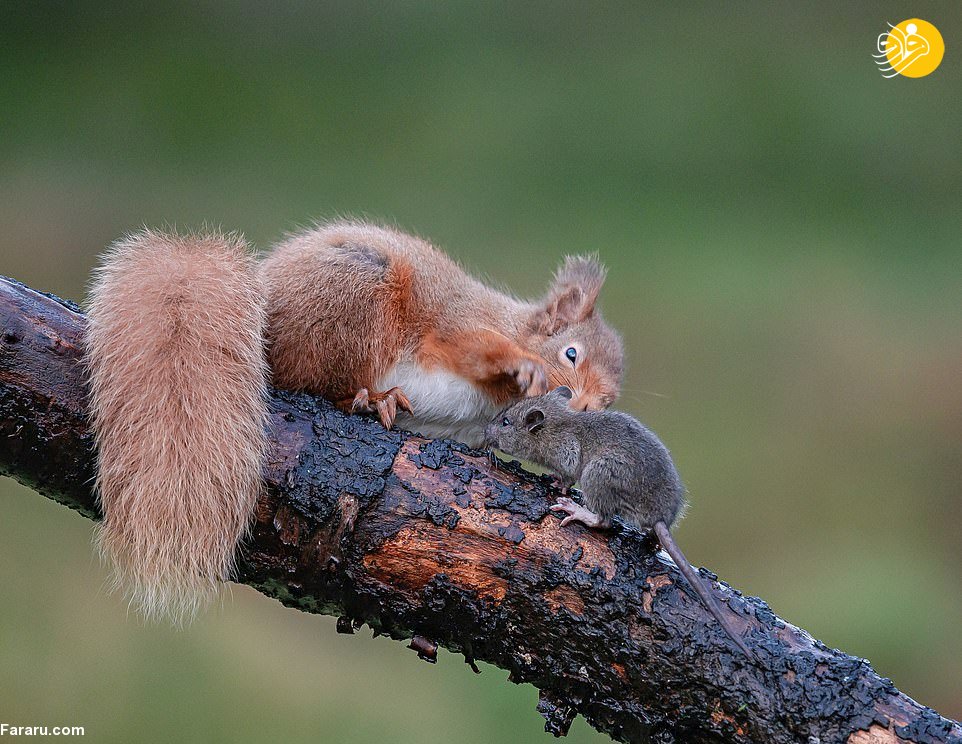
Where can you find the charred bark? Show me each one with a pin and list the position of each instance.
(426, 540)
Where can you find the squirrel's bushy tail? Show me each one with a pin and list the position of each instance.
(175, 356)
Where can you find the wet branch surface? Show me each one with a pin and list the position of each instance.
(425, 540)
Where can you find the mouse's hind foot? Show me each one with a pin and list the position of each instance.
(578, 513)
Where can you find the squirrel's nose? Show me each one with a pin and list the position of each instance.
(583, 402)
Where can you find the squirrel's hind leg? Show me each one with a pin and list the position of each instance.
(341, 311)
(385, 404)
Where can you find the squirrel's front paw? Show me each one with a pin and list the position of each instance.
(530, 378)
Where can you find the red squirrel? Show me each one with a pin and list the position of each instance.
(186, 332)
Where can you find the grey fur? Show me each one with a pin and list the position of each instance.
(623, 468)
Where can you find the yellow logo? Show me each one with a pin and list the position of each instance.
(913, 48)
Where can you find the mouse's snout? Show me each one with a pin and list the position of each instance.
(490, 436)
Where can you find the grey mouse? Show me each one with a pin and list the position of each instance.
(623, 468)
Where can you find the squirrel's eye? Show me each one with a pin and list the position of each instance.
(572, 353)
(505, 422)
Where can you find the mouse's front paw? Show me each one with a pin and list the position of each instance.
(562, 484)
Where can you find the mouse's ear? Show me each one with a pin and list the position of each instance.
(564, 391)
(534, 420)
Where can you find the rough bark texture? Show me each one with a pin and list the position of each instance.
(424, 539)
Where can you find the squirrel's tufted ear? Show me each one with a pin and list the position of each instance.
(534, 420)
(573, 293)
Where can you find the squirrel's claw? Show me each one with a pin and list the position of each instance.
(386, 411)
(385, 405)
(402, 400)
(361, 402)
(531, 378)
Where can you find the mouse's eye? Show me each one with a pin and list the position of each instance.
(505, 421)
(572, 353)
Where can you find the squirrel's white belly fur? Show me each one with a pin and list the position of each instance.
(445, 405)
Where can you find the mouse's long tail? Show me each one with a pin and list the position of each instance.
(671, 547)
(174, 352)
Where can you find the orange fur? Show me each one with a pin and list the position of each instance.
(175, 352)
(337, 312)
(177, 374)
(348, 301)
(486, 358)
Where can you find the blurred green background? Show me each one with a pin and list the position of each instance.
(783, 230)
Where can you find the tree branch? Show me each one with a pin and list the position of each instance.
(424, 538)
